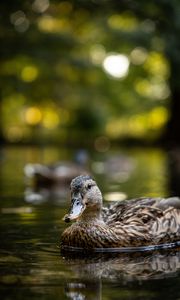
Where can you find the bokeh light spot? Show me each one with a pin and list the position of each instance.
(19, 20)
(14, 133)
(53, 25)
(138, 56)
(97, 54)
(50, 119)
(158, 117)
(40, 6)
(125, 21)
(152, 89)
(157, 64)
(33, 116)
(116, 65)
(29, 73)
(115, 196)
(102, 144)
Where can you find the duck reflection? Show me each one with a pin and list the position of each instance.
(40, 194)
(90, 271)
(88, 289)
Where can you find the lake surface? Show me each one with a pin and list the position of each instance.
(31, 264)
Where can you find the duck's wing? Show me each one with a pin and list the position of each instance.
(168, 202)
(167, 227)
(141, 208)
(117, 211)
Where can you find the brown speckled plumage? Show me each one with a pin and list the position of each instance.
(130, 223)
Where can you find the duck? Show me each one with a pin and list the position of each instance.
(61, 172)
(128, 223)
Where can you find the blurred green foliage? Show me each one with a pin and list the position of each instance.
(75, 71)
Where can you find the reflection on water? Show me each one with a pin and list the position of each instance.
(124, 268)
(31, 264)
(127, 267)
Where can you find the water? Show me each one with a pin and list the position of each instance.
(31, 264)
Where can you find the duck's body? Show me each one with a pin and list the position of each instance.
(130, 223)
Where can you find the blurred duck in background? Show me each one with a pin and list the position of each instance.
(58, 173)
(51, 182)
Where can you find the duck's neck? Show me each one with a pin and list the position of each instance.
(91, 216)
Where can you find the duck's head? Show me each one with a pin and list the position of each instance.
(86, 198)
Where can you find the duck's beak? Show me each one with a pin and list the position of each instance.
(77, 208)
